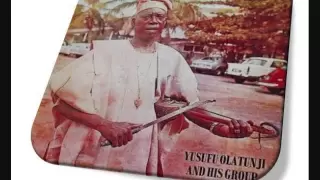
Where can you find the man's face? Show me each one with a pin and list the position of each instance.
(150, 23)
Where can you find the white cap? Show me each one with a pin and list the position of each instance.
(147, 4)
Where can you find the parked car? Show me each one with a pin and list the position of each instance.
(214, 65)
(253, 68)
(79, 49)
(275, 81)
(75, 49)
(65, 48)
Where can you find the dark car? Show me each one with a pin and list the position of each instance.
(275, 81)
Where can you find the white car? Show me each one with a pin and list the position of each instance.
(75, 49)
(79, 49)
(253, 68)
(65, 48)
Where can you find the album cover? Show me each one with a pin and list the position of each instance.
(186, 89)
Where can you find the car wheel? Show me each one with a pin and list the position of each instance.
(218, 72)
(239, 80)
(194, 70)
(274, 90)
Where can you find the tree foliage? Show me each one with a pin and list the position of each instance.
(262, 26)
(183, 12)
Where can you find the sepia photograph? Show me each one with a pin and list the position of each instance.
(188, 89)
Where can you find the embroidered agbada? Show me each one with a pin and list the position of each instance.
(105, 82)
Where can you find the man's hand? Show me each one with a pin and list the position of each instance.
(118, 133)
(235, 129)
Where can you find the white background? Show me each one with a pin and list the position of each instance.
(38, 29)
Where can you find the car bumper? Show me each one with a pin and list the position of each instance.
(242, 76)
(201, 68)
(265, 84)
(235, 74)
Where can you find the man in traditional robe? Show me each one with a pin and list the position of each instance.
(111, 90)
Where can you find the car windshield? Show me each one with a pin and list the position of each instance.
(259, 62)
(279, 64)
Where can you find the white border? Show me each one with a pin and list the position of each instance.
(38, 28)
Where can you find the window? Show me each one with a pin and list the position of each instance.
(278, 64)
(188, 48)
(217, 59)
(208, 58)
(198, 48)
(258, 62)
(243, 61)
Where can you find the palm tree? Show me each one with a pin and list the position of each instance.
(184, 11)
(93, 7)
